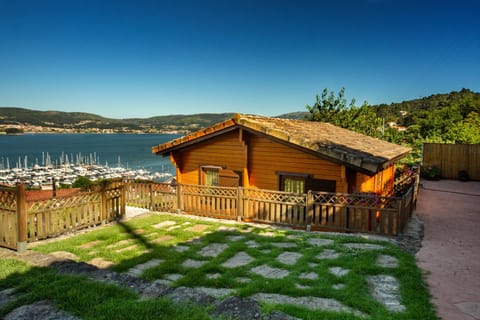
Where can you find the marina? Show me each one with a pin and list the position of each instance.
(63, 172)
(39, 159)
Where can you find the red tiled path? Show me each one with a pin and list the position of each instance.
(450, 252)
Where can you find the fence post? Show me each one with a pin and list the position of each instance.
(21, 218)
(179, 198)
(150, 192)
(309, 210)
(239, 203)
(103, 213)
(399, 217)
(123, 200)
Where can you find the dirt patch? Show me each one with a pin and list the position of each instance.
(101, 263)
(90, 244)
(198, 228)
(162, 239)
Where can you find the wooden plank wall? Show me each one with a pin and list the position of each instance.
(381, 184)
(226, 151)
(266, 158)
(451, 158)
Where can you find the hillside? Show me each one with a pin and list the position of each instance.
(464, 101)
(450, 117)
(78, 121)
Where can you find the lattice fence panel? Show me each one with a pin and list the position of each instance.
(8, 218)
(220, 202)
(275, 196)
(275, 207)
(52, 217)
(358, 200)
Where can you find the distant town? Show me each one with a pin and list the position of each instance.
(27, 128)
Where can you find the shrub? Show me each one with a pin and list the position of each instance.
(432, 173)
(83, 183)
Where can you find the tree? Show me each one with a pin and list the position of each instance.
(13, 130)
(334, 110)
(83, 183)
(327, 108)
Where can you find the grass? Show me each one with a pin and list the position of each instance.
(110, 301)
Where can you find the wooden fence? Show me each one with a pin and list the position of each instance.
(312, 211)
(23, 221)
(452, 158)
(8, 217)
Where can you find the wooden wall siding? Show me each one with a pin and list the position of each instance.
(451, 158)
(381, 184)
(266, 158)
(225, 150)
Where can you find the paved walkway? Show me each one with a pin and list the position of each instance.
(450, 250)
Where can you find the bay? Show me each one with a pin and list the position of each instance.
(129, 150)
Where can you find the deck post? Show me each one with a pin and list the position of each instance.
(123, 200)
(21, 218)
(239, 204)
(309, 210)
(150, 192)
(103, 212)
(179, 198)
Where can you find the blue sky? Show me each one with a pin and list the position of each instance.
(143, 58)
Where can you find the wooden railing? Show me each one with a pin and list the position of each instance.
(23, 221)
(8, 217)
(215, 202)
(53, 217)
(312, 211)
(151, 196)
(267, 206)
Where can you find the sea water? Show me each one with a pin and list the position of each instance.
(125, 150)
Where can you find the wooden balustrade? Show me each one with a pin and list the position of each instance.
(24, 221)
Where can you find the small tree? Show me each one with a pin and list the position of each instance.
(83, 183)
(13, 130)
(334, 110)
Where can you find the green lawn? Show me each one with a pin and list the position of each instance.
(138, 241)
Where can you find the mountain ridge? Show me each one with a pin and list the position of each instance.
(62, 121)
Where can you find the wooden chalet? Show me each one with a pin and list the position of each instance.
(285, 155)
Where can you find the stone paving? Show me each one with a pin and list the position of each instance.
(384, 288)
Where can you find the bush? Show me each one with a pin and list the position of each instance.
(83, 183)
(463, 176)
(432, 173)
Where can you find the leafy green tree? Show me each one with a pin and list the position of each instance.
(13, 130)
(334, 109)
(327, 107)
(83, 183)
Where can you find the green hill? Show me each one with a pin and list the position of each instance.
(80, 120)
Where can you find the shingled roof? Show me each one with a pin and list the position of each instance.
(325, 140)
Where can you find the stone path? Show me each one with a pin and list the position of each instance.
(311, 303)
(384, 287)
